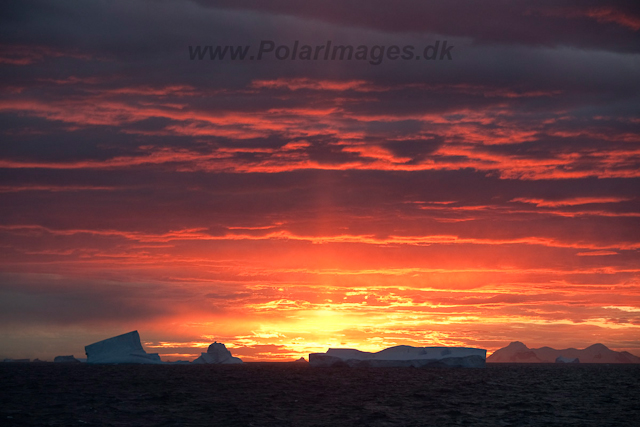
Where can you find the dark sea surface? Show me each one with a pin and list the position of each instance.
(294, 394)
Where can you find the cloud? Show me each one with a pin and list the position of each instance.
(286, 206)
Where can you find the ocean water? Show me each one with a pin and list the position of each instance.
(293, 394)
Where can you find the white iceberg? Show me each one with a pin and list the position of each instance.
(125, 348)
(217, 353)
(402, 356)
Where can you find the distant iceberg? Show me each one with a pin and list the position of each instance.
(218, 354)
(65, 359)
(125, 348)
(402, 356)
(562, 359)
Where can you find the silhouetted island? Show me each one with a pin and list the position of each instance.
(517, 352)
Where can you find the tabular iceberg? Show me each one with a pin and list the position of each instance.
(125, 348)
(217, 353)
(402, 356)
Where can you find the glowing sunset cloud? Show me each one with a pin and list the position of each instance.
(284, 207)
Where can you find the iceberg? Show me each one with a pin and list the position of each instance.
(402, 356)
(125, 348)
(65, 359)
(562, 359)
(218, 354)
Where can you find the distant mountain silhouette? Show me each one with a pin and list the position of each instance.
(517, 352)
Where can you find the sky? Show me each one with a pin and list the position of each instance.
(285, 206)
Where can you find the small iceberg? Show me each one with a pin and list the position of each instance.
(562, 359)
(218, 354)
(125, 348)
(402, 356)
(65, 359)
